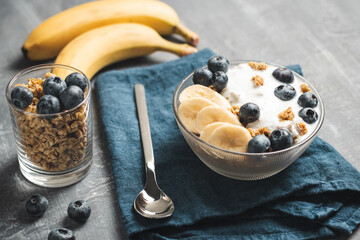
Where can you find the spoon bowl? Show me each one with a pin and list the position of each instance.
(153, 207)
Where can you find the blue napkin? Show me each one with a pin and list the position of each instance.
(317, 196)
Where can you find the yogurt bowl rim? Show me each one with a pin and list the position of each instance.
(234, 63)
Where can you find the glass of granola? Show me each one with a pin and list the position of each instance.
(50, 110)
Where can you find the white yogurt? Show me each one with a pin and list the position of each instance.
(241, 89)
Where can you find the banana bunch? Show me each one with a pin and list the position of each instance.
(205, 112)
(106, 40)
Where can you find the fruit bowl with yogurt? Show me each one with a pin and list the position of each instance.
(247, 120)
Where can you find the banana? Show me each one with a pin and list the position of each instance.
(209, 129)
(102, 46)
(189, 109)
(198, 90)
(213, 114)
(231, 137)
(48, 38)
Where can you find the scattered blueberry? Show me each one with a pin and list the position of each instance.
(218, 63)
(48, 104)
(259, 144)
(79, 210)
(285, 92)
(219, 80)
(61, 234)
(280, 139)
(76, 79)
(308, 99)
(71, 97)
(54, 86)
(202, 76)
(36, 205)
(309, 115)
(249, 112)
(283, 75)
(21, 97)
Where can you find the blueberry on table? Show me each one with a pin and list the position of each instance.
(79, 211)
(248, 113)
(218, 63)
(259, 144)
(48, 104)
(283, 75)
(308, 99)
(309, 115)
(36, 205)
(285, 92)
(202, 76)
(21, 97)
(54, 86)
(76, 79)
(281, 139)
(71, 97)
(61, 234)
(219, 80)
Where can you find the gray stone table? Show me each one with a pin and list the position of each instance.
(322, 36)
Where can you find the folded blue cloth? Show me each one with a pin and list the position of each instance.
(317, 196)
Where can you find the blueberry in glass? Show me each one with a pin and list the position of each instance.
(21, 97)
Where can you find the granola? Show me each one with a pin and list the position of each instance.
(258, 80)
(54, 144)
(258, 66)
(287, 114)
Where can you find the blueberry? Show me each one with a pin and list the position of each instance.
(285, 92)
(259, 144)
(283, 75)
(36, 205)
(309, 115)
(61, 234)
(308, 99)
(218, 63)
(219, 80)
(54, 86)
(281, 139)
(249, 112)
(202, 76)
(79, 211)
(71, 97)
(21, 97)
(76, 79)
(48, 104)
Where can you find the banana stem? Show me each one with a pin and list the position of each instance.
(190, 36)
(179, 49)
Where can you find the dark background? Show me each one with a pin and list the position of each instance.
(322, 36)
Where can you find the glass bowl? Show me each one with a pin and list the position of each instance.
(244, 166)
(54, 150)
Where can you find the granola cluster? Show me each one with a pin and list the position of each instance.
(54, 144)
(258, 80)
(258, 66)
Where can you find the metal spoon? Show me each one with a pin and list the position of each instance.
(151, 202)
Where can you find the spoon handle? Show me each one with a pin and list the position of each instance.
(145, 132)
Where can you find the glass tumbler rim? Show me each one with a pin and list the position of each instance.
(45, 66)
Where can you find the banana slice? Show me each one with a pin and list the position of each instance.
(209, 129)
(198, 90)
(231, 137)
(213, 114)
(189, 109)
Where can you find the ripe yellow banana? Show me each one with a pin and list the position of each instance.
(47, 39)
(102, 46)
